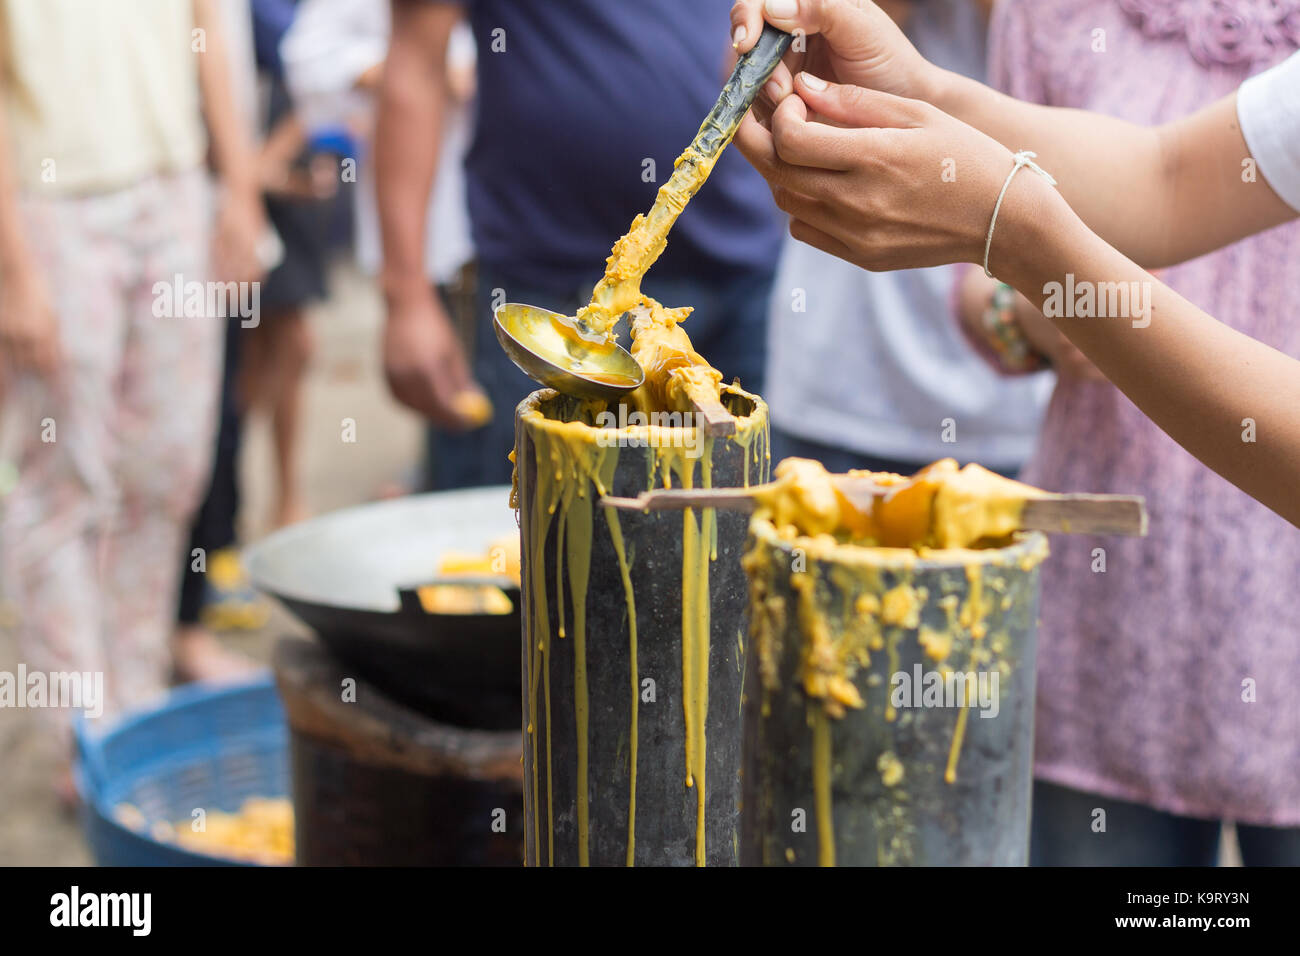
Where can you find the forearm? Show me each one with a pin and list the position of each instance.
(286, 141)
(1095, 159)
(406, 160)
(232, 152)
(14, 254)
(408, 136)
(1228, 399)
(1160, 195)
(991, 325)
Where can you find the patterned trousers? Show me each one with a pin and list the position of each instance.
(113, 451)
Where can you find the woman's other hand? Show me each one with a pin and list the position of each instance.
(847, 41)
(975, 298)
(1067, 361)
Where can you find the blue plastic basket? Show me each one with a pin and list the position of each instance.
(210, 747)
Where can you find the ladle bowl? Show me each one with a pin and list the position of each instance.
(556, 351)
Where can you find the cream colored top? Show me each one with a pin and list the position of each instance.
(100, 94)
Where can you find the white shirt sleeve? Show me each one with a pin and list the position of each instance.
(325, 51)
(1268, 108)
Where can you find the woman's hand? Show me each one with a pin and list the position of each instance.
(29, 331)
(847, 41)
(1070, 364)
(884, 182)
(975, 298)
(240, 227)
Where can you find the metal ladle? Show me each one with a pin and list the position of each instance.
(560, 351)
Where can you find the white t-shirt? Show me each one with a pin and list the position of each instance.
(330, 44)
(1268, 108)
(875, 363)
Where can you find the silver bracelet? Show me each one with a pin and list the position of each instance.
(1022, 159)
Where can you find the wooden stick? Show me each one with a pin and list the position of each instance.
(861, 492)
(858, 490)
(718, 422)
(1086, 514)
(1059, 514)
(679, 499)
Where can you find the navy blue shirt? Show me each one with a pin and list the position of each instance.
(584, 93)
(271, 21)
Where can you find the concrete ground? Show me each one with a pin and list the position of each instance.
(345, 381)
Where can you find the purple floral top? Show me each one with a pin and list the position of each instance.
(1171, 678)
(1243, 33)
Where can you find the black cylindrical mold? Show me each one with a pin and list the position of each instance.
(605, 737)
(912, 777)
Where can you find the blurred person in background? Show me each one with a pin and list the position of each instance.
(215, 594)
(110, 387)
(1168, 749)
(582, 108)
(265, 362)
(333, 56)
(866, 369)
(299, 185)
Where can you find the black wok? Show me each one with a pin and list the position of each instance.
(351, 577)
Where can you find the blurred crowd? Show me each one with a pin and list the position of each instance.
(178, 176)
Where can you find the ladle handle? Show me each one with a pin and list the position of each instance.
(751, 72)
